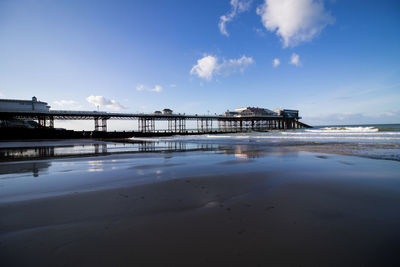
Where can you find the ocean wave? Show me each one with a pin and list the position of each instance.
(314, 133)
(329, 137)
(329, 133)
(345, 129)
(286, 136)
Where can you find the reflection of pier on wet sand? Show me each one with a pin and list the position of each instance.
(35, 167)
(96, 149)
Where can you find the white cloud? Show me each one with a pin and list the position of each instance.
(105, 102)
(260, 32)
(140, 87)
(208, 66)
(205, 67)
(63, 103)
(237, 7)
(157, 88)
(172, 85)
(235, 65)
(276, 62)
(67, 104)
(295, 59)
(1, 94)
(295, 21)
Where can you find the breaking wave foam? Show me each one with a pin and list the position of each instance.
(356, 134)
(369, 129)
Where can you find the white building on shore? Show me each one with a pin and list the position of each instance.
(15, 105)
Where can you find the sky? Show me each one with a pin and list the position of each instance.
(337, 62)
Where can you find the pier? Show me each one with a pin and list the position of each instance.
(14, 112)
(176, 122)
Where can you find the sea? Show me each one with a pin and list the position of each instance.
(383, 133)
(377, 141)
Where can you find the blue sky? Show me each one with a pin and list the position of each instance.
(338, 60)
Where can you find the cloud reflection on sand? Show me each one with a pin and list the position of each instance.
(96, 165)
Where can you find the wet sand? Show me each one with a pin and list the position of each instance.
(372, 151)
(284, 208)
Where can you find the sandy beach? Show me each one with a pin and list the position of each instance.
(236, 206)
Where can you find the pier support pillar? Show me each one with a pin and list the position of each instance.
(41, 121)
(146, 125)
(100, 127)
(96, 124)
(104, 124)
(177, 125)
(182, 125)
